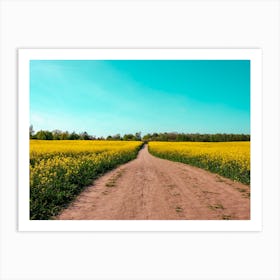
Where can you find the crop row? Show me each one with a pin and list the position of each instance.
(229, 159)
(58, 173)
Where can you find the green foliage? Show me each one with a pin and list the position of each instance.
(84, 136)
(44, 135)
(166, 136)
(65, 135)
(129, 137)
(195, 137)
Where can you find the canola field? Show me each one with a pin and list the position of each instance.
(229, 159)
(59, 170)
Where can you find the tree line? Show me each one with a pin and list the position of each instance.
(196, 137)
(65, 135)
(166, 136)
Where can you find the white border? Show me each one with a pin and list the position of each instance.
(254, 55)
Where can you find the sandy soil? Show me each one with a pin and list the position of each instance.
(149, 188)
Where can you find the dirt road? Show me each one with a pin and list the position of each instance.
(149, 188)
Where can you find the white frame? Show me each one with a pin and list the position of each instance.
(254, 224)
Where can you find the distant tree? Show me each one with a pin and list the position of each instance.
(180, 137)
(147, 137)
(74, 136)
(116, 137)
(163, 136)
(64, 135)
(84, 136)
(172, 136)
(195, 137)
(129, 137)
(31, 131)
(56, 134)
(44, 135)
(138, 136)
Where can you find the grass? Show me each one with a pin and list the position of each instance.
(179, 209)
(216, 207)
(245, 192)
(208, 192)
(112, 181)
(219, 179)
(226, 217)
(110, 184)
(105, 192)
(246, 195)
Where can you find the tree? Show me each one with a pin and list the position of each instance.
(31, 131)
(116, 137)
(44, 135)
(84, 136)
(129, 137)
(138, 136)
(74, 136)
(195, 137)
(64, 135)
(56, 134)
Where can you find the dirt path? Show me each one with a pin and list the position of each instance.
(149, 188)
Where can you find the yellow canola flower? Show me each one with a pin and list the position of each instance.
(231, 159)
(79, 146)
(60, 169)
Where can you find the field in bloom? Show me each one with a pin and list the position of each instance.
(59, 170)
(229, 159)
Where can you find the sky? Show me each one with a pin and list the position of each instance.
(106, 97)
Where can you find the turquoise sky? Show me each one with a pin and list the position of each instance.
(106, 97)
